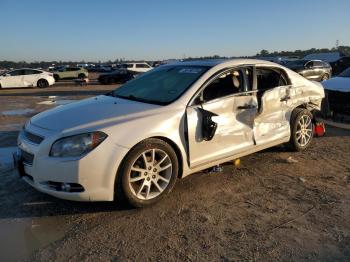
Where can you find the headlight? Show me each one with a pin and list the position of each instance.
(77, 145)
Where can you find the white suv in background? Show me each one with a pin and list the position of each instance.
(26, 77)
(137, 67)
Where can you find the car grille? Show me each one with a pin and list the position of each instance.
(32, 137)
(27, 157)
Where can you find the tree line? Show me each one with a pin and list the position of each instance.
(344, 50)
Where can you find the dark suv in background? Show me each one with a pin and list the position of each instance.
(315, 70)
(340, 65)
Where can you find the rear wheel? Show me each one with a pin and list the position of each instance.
(148, 173)
(301, 128)
(57, 78)
(42, 83)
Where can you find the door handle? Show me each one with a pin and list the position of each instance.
(285, 99)
(246, 107)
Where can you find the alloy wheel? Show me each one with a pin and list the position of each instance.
(304, 130)
(150, 174)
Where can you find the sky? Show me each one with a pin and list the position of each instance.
(93, 30)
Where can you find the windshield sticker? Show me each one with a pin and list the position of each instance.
(190, 70)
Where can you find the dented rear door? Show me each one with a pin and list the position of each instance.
(272, 120)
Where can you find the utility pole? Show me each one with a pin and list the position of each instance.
(337, 44)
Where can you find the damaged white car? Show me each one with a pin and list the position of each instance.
(178, 119)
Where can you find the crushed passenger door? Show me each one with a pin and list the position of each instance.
(234, 118)
(272, 121)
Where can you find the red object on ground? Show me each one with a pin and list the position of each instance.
(319, 129)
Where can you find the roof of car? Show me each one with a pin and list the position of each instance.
(228, 62)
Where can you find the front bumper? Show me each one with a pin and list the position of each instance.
(92, 177)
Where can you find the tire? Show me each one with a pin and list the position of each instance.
(57, 77)
(42, 83)
(301, 129)
(81, 76)
(142, 183)
(325, 77)
(109, 81)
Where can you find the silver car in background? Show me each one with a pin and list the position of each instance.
(177, 119)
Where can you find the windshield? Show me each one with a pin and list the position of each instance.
(161, 86)
(345, 73)
(296, 63)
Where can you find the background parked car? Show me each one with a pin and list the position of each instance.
(26, 77)
(70, 73)
(340, 65)
(100, 68)
(316, 70)
(137, 67)
(338, 94)
(121, 75)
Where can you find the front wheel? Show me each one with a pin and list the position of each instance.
(301, 129)
(81, 76)
(148, 173)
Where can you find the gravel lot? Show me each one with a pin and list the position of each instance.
(267, 208)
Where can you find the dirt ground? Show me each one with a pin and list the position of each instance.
(268, 208)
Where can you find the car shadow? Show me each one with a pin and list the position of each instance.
(23, 201)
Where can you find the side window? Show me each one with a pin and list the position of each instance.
(268, 78)
(16, 73)
(318, 64)
(229, 83)
(141, 66)
(31, 72)
(309, 64)
(129, 65)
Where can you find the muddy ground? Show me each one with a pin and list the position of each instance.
(268, 208)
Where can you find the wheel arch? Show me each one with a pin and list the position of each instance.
(42, 79)
(309, 106)
(177, 152)
(173, 145)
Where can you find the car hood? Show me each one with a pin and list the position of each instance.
(100, 111)
(337, 84)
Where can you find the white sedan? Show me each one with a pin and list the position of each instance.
(26, 77)
(178, 119)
